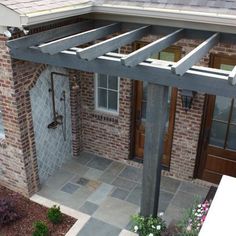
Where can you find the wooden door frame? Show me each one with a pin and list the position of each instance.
(215, 59)
(177, 51)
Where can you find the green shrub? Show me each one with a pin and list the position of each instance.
(40, 229)
(55, 215)
(144, 226)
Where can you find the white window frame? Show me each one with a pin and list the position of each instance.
(97, 108)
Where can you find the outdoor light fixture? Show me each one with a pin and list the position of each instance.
(187, 99)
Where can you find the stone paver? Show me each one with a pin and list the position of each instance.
(169, 184)
(116, 212)
(124, 183)
(120, 193)
(99, 163)
(69, 188)
(110, 192)
(88, 208)
(132, 173)
(135, 196)
(98, 228)
(99, 195)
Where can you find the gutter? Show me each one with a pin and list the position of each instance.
(164, 16)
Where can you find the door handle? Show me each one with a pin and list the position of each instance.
(139, 117)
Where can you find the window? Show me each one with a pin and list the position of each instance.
(107, 93)
(1, 126)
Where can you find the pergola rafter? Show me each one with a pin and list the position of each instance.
(59, 47)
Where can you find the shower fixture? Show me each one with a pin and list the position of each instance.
(57, 118)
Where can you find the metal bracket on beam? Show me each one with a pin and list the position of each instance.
(147, 51)
(195, 55)
(112, 44)
(232, 76)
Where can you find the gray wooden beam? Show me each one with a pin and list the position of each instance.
(197, 80)
(79, 39)
(147, 51)
(112, 44)
(156, 115)
(49, 35)
(232, 76)
(195, 55)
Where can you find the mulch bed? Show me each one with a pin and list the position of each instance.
(30, 212)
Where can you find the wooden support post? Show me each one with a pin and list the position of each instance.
(157, 100)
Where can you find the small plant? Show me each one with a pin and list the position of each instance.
(194, 219)
(7, 212)
(55, 215)
(148, 226)
(40, 229)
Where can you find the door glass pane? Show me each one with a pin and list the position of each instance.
(144, 110)
(218, 133)
(231, 142)
(102, 81)
(222, 108)
(113, 82)
(226, 67)
(112, 100)
(102, 98)
(233, 118)
(167, 56)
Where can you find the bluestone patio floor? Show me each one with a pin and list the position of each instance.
(110, 193)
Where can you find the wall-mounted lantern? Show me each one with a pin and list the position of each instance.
(187, 99)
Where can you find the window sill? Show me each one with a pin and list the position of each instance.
(105, 116)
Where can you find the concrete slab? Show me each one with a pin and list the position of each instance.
(115, 212)
(173, 212)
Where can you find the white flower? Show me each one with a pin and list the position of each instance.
(153, 226)
(158, 227)
(135, 228)
(161, 213)
(151, 234)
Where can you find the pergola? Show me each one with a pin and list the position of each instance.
(60, 47)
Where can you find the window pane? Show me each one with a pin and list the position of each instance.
(231, 142)
(167, 56)
(112, 100)
(226, 67)
(113, 82)
(102, 81)
(218, 133)
(144, 109)
(222, 108)
(102, 98)
(145, 83)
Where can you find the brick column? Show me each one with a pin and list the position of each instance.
(75, 112)
(17, 156)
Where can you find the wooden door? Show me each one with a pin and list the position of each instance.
(218, 139)
(170, 54)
